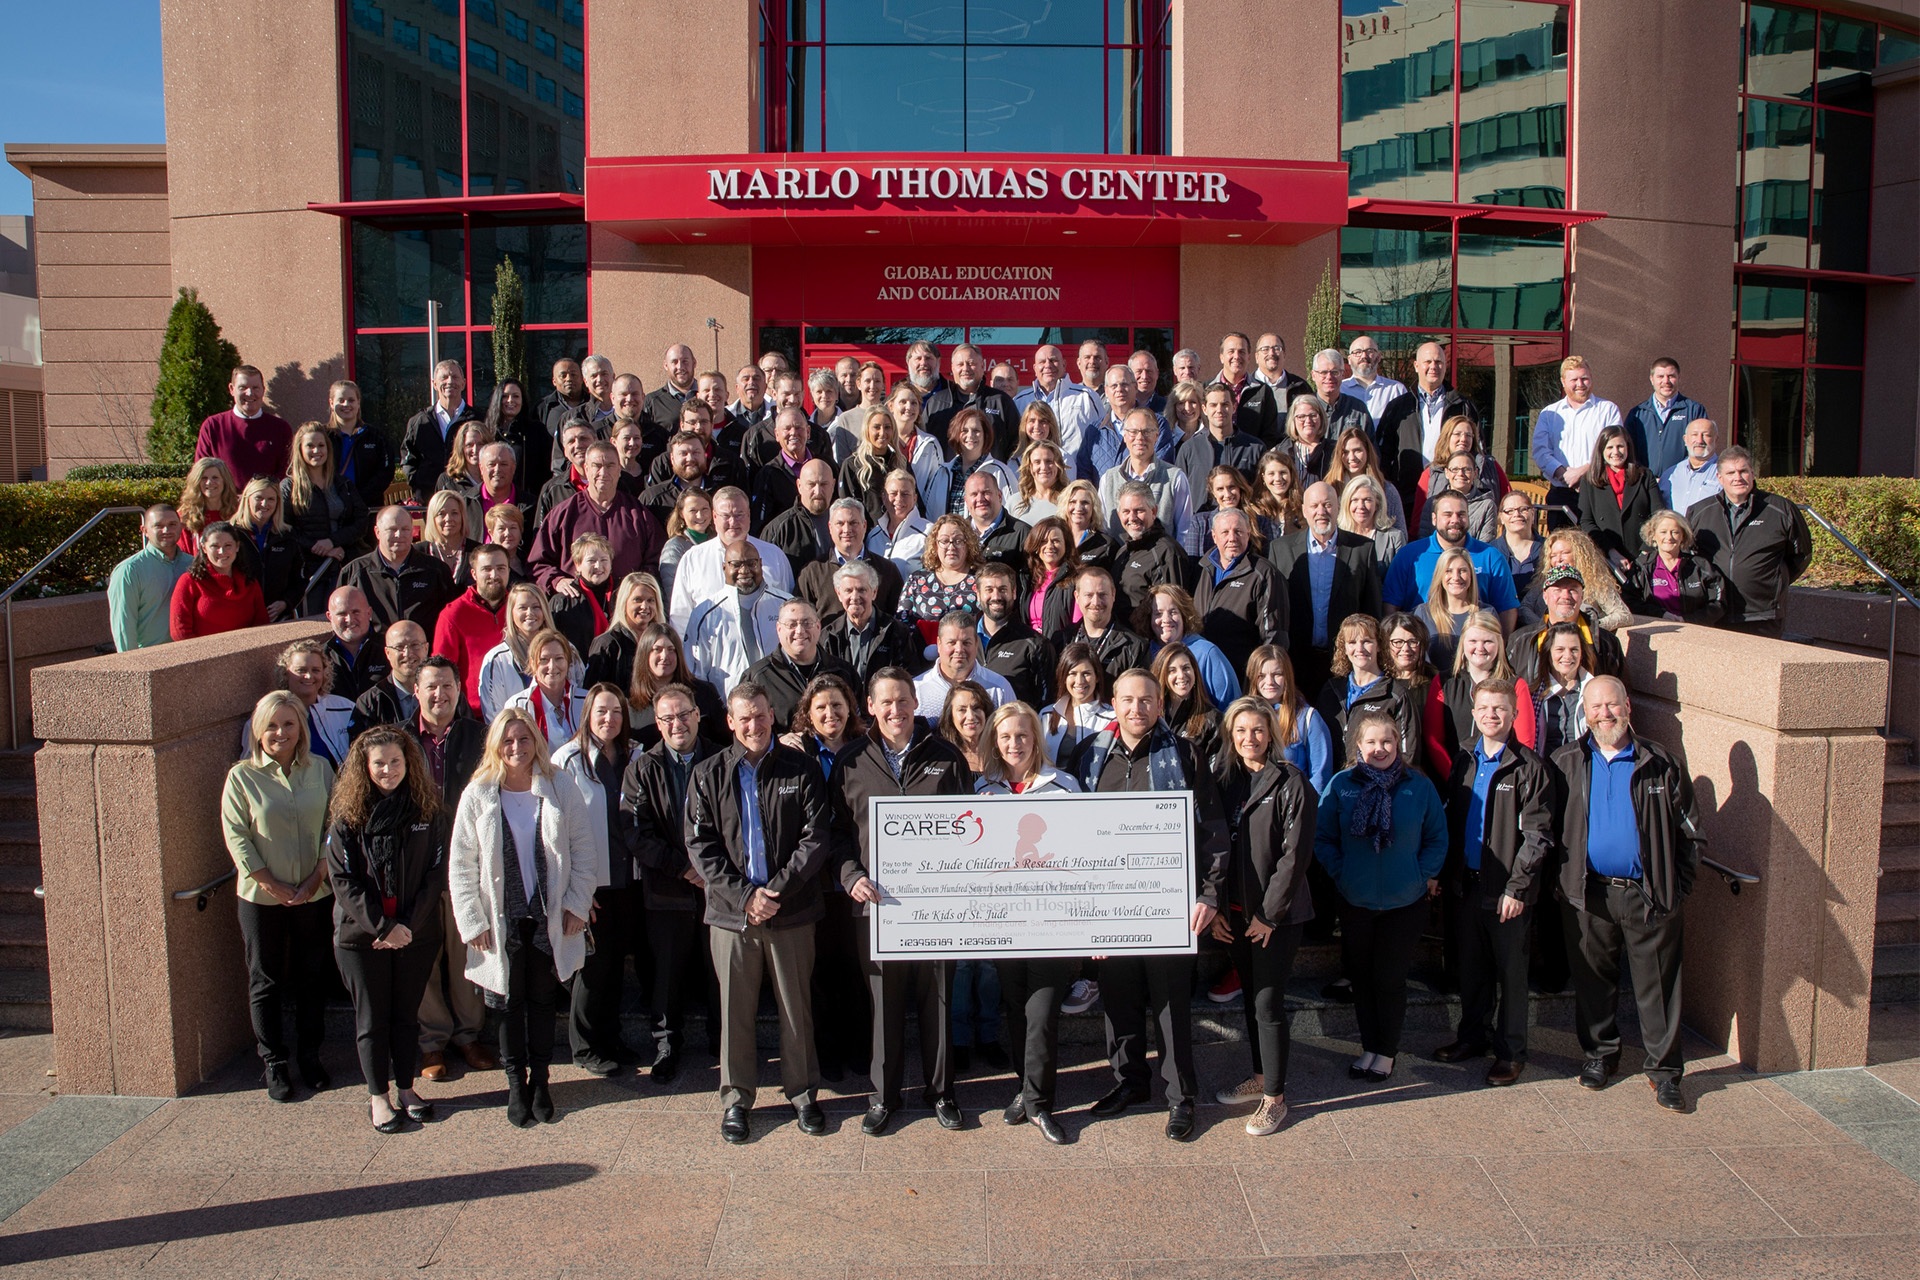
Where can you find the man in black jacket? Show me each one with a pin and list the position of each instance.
(757, 831)
(801, 530)
(392, 700)
(662, 405)
(653, 797)
(1241, 597)
(1408, 435)
(1218, 443)
(901, 756)
(1099, 628)
(1630, 841)
(1758, 541)
(1009, 645)
(785, 673)
(1150, 557)
(1002, 537)
(847, 528)
(1562, 591)
(1140, 749)
(453, 1014)
(862, 636)
(968, 389)
(423, 454)
(1500, 820)
(1322, 592)
(354, 649)
(399, 580)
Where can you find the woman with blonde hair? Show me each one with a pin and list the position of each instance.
(463, 456)
(1670, 579)
(1353, 455)
(1080, 508)
(1453, 596)
(1300, 735)
(443, 535)
(520, 873)
(273, 559)
(1186, 410)
(508, 667)
(556, 698)
(1038, 423)
(864, 474)
(1044, 476)
(209, 496)
(1363, 506)
(273, 814)
(1448, 716)
(362, 456)
(506, 526)
(1603, 601)
(387, 857)
(325, 514)
(637, 605)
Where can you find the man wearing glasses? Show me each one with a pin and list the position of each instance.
(739, 625)
(1172, 494)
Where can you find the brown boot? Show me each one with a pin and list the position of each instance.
(478, 1056)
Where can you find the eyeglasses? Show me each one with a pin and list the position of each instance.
(1268, 349)
(406, 646)
(684, 717)
(743, 564)
(1404, 642)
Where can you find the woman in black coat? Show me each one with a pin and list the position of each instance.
(1359, 684)
(267, 548)
(1617, 497)
(1272, 809)
(1670, 579)
(326, 516)
(387, 856)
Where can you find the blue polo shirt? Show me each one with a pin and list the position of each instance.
(1613, 834)
(1412, 569)
(1473, 840)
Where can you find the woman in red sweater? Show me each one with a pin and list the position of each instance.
(216, 594)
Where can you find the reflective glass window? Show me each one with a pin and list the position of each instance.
(1779, 183)
(1898, 46)
(551, 258)
(1769, 412)
(1396, 277)
(1780, 42)
(1513, 103)
(1842, 195)
(1773, 321)
(1512, 279)
(513, 24)
(398, 269)
(1396, 108)
(1830, 433)
(1837, 323)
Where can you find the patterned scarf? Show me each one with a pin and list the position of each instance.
(1372, 817)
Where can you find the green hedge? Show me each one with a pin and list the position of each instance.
(130, 471)
(36, 518)
(1880, 513)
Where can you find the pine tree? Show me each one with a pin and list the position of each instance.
(509, 308)
(196, 364)
(1323, 318)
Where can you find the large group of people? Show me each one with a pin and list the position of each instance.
(623, 684)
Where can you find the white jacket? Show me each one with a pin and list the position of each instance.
(565, 728)
(716, 650)
(500, 679)
(476, 875)
(572, 761)
(1048, 779)
(702, 573)
(938, 486)
(906, 545)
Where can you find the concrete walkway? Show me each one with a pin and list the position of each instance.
(1430, 1175)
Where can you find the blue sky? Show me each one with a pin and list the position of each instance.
(84, 71)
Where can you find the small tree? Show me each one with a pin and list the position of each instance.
(196, 364)
(1323, 318)
(509, 309)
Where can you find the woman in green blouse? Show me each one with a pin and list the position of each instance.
(274, 814)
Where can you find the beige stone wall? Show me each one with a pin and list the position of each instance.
(253, 119)
(102, 229)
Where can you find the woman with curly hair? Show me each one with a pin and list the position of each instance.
(1044, 476)
(210, 495)
(945, 580)
(387, 856)
(1603, 602)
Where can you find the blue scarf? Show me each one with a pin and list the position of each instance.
(1372, 816)
(1163, 759)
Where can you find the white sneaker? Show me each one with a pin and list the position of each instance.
(1249, 1090)
(1081, 996)
(1267, 1120)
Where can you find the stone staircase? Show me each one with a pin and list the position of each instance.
(1896, 935)
(25, 1001)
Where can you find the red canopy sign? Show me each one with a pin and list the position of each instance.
(957, 199)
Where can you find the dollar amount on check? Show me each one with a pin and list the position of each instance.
(1032, 876)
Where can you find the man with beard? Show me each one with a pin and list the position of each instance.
(474, 623)
(1118, 648)
(1009, 646)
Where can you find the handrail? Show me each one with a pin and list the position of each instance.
(204, 893)
(1900, 593)
(1733, 878)
(6, 601)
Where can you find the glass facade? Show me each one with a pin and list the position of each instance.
(1051, 76)
(1454, 103)
(1804, 207)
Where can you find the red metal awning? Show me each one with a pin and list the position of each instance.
(972, 199)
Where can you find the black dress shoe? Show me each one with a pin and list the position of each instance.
(1016, 1112)
(1667, 1093)
(419, 1111)
(875, 1122)
(811, 1119)
(1049, 1128)
(1595, 1073)
(666, 1068)
(947, 1112)
(1459, 1051)
(1180, 1121)
(1118, 1099)
(315, 1075)
(540, 1102)
(962, 1059)
(994, 1056)
(280, 1083)
(733, 1125)
(594, 1064)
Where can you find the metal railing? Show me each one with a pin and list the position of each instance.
(6, 599)
(1900, 596)
(204, 894)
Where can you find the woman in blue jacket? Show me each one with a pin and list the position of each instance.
(1381, 833)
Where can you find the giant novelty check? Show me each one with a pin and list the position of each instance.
(1032, 876)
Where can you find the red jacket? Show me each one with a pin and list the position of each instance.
(221, 603)
(467, 629)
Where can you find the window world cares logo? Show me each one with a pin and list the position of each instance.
(963, 828)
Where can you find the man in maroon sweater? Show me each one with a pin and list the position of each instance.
(251, 441)
(474, 622)
(629, 528)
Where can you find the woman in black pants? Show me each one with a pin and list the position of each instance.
(1272, 808)
(386, 852)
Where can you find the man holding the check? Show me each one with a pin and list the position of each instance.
(1140, 753)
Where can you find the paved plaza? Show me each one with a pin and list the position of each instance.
(1430, 1175)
